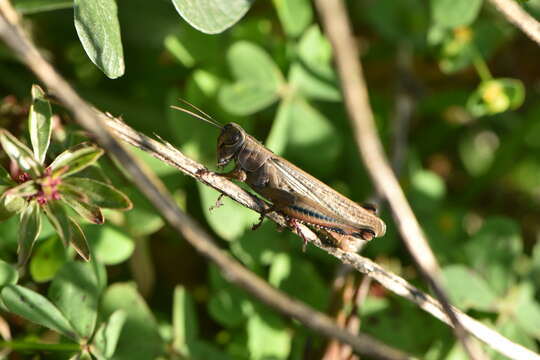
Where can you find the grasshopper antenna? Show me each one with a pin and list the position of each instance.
(204, 117)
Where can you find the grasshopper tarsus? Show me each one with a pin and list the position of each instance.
(293, 223)
(218, 203)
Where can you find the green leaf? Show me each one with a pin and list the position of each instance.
(8, 274)
(496, 96)
(49, 257)
(37, 6)
(227, 303)
(75, 292)
(76, 159)
(185, 327)
(295, 15)
(468, 290)
(20, 153)
(29, 231)
(212, 16)
(300, 130)
(99, 193)
(454, 13)
(258, 80)
(89, 212)
(268, 337)
(290, 274)
(10, 205)
(56, 213)
(106, 338)
(25, 189)
(311, 85)
(5, 178)
(36, 308)
(229, 220)
(527, 310)
(39, 123)
(493, 250)
(140, 338)
(98, 29)
(109, 245)
(78, 240)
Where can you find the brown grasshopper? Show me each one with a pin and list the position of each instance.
(300, 197)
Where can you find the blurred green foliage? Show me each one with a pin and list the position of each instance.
(470, 169)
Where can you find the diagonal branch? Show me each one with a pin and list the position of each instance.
(155, 191)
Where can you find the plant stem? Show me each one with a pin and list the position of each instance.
(31, 345)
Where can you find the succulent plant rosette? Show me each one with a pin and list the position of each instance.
(32, 187)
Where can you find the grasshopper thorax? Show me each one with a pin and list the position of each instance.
(230, 142)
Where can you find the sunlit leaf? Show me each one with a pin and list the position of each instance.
(185, 326)
(36, 308)
(268, 337)
(294, 15)
(48, 258)
(5, 178)
(110, 246)
(258, 80)
(467, 289)
(78, 240)
(39, 123)
(76, 159)
(20, 153)
(29, 230)
(106, 338)
(89, 212)
(140, 338)
(212, 16)
(75, 292)
(8, 274)
(99, 193)
(10, 205)
(98, 29)
(25, 189)
(37, 6)
(56, 213)
(454, 13)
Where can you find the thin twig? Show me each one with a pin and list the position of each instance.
(390, 281)
(519, 17)
(337, 26)
(155, 191)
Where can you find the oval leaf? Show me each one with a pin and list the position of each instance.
(20, 153)
(454, 13)
(76, 159)
(5, 178)
(29, 230)
(75, 292)
(87, 211)
(78, 241)
(56, 213)
(8, 274)
(49, 257)
(39, 123)
(212, 16)
(106, 338)
(99, 193)
(10, 205)
(98, 29)
(258, 80)
(36, 308)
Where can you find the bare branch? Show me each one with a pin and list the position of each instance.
(338, 29)
(519, 17)
(155, 191)
(204, 244)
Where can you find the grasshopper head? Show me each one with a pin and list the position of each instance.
(230, 142)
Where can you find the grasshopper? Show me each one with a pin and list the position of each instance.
(300, 197)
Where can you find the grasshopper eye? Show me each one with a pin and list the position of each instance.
(232, 139)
